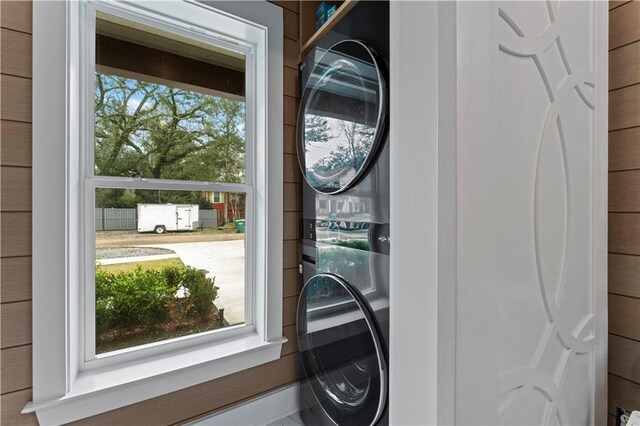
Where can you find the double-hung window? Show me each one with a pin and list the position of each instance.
(157, 198)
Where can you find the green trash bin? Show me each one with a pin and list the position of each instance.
(241, 225)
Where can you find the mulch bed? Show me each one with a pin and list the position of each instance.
(121, 338)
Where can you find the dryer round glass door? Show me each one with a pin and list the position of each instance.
(341, 352)
(342, 117)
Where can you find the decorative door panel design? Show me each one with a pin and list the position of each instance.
(541, 227)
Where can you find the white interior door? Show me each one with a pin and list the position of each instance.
(531, 202)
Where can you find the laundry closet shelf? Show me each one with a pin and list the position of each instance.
(308, 38)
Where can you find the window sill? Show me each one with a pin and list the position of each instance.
(95, 392)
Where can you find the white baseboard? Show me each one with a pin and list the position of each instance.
(259, 411)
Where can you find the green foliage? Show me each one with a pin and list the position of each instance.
(353, 153)
(131, 298)
(130, 198)
(202, 292)
(356, 244)
(333, 260)
(316, 128)
(150, 130)
(144, 297)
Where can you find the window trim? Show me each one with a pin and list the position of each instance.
(63, 390)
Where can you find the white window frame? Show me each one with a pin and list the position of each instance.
(91, 182)
(69, 381)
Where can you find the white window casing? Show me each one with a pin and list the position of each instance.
(69, 381)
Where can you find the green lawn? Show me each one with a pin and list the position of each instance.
(146, 265)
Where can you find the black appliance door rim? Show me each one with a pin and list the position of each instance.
(370, 321)
(380, 123)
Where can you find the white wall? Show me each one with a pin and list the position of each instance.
(530, 206)
(422, 92)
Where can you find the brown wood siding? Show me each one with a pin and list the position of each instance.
(623, 358)
(624, 149)
(624, 191)
(624, 275)
(15, 262)
(624, 65)
(15, 216)
(624, 206)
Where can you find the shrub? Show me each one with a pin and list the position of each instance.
(148, 297)
(202, 291)
(131, 298)
(174, 275)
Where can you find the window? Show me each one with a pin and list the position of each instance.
(168, 110)
(166, 268)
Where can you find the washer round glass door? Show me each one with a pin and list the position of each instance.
(342, 117)
(341, 352)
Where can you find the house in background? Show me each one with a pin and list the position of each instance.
(230, 206)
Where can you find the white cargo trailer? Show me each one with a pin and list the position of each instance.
(160, 218)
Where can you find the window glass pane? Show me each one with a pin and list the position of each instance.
(168, 264)
(167, 107)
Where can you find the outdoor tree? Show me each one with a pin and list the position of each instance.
(353, 153)
(150, 130)
(316, 128)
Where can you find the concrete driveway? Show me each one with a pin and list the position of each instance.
(223, 260)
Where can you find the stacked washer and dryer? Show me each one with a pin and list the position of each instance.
(343, 150)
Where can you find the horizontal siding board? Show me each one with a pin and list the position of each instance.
(16, 369)
(200, 399)
(290, 110)
(617, 3)
(291, 24)
(622, 393)
(291, 334)
(292, 197)
(624, 233)
(291, 53)
(624, 107)
(15, 274)
(16, 98)
(624, 358)
(291, 82)
(292, 282)
(624, 274)
(624, 24)
(291, 225)
(289, 306)
(16, 143)
(624, 191)
(290, 258)
(624, 66)
(16, 15)
(16, 324)
(16, 53)
(15, 185)
(290, 139)
(624, 316)
(624, 149)
(12, 405)
(16, 234)
(291, 169)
